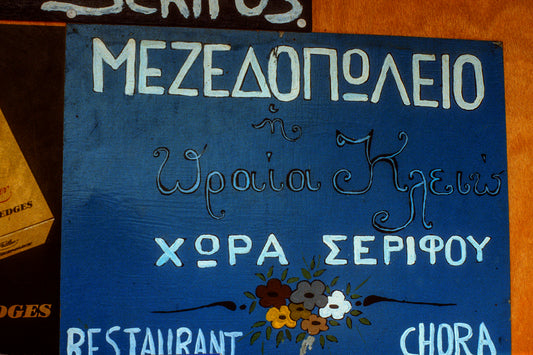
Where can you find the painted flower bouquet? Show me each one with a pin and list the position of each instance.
(309, 308)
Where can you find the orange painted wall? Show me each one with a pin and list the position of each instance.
(509, 21)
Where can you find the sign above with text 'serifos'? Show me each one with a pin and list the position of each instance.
(262, 193)
(283, 15)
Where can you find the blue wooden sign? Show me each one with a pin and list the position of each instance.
(278, 193)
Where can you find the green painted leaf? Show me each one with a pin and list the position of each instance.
(319, 272)
(268, 333)
(288, 334)
(355, 312)
(249, 295)
(328, 289)
(284, 274)
(254, 337)
(364, 321)
(349, 322)
(334, 281)
(270, 271)
(259, 324)
(333, 323)
(348, 287)
(261, 276)
(300, 337)
(322, 341)
(355, 296)
(279, 338)
(361, 284)
(306, 274)
(312, 266)
(252, 307)
(292, 279)
(332, 338)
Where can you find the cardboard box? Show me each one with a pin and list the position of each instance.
(25, 218)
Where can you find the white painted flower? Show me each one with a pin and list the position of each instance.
(337, 306)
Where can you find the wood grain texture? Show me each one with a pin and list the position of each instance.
(506, 21)
(226, 14)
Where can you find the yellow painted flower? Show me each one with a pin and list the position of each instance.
(280, 317)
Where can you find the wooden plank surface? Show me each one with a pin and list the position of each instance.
(291, 15)
(115, 226)
(506, 21)
(509, 22)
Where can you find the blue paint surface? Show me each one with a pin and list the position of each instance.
(137, 271)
